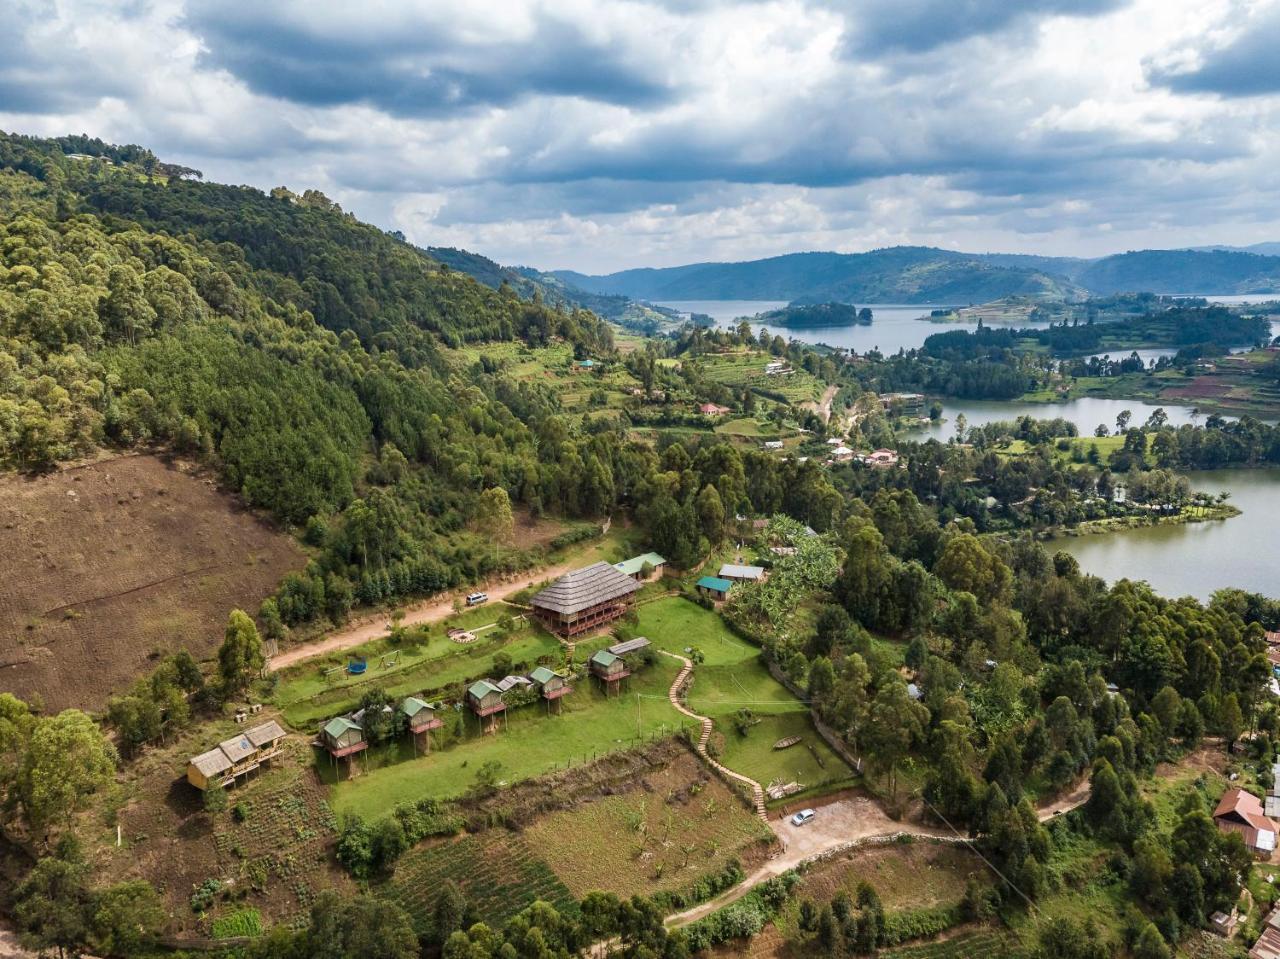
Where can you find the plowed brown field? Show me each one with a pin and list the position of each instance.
(108, 566)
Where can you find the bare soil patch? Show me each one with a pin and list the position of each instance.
(108, 566)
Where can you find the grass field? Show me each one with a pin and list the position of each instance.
(666, 831)
(532, 743)
(733, 677)
(529, 744)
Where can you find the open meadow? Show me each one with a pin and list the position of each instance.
(733, 677)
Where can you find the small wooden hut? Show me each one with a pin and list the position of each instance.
(421, 718)
(609, 669)
(209, 769)
(342, 738)
(485, 700)
(715, 587)
(552, 686)
(267, 740)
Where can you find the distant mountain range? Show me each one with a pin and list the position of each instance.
(554, 291)
(930, 275)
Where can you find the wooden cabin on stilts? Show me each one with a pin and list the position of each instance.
(421, 718)
(485, 700)
(342, 738)
(552, 687)
(611, 670)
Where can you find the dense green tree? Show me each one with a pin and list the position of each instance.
(240, 657)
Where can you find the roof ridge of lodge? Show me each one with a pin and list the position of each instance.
(583, 588)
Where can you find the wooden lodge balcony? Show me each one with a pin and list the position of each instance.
(584, 621)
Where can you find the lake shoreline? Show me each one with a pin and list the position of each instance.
(1119, 524)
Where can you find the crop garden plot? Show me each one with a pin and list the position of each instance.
(672, 827)
(273, 844)
(497, 871)
(987, 943)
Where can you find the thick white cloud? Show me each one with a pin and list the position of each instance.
(600, 134)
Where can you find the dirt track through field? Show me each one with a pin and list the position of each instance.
(428, 611)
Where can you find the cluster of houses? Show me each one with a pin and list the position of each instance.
(235, 757)
(876, 459)
(902, 402)
(717, 587)
(343, 737)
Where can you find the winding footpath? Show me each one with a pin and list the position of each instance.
(842, 826)
(673, 694)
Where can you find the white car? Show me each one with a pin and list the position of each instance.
(802, 817)
(475, 599)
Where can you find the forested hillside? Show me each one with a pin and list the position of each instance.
(894, 275)
(306, 357)
(279, 340)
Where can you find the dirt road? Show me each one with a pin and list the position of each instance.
(823, 407)
(844, 824)
(428, 611)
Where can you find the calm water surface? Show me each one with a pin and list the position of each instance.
(1198, 558)
(894, 327)
(1194, 559)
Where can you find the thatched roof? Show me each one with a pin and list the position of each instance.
(584, 588)
(268, 732)
(211, 763)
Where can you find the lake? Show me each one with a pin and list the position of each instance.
(895, 326)
(1086, 413)
(1186, 560)
(1197, 558)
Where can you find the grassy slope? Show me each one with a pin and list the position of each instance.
(591, 724)
(733, 676)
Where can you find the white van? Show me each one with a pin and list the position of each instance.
(802, 817)
(475, 599)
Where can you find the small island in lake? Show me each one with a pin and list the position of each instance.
(817, 315)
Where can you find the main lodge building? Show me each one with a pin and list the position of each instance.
(585, 599)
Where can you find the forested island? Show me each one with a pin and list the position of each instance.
(801, 315)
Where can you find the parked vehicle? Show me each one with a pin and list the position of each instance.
(802, 817)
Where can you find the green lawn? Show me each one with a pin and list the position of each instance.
(531, 744)
(306, 702)
(733, 677)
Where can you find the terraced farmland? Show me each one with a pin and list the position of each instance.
(669, 829)
(497, 871)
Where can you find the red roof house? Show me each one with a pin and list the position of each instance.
(1239, 811)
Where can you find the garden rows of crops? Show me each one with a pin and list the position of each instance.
(278, 839)
(497, 872)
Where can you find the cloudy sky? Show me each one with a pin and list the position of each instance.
(604, 134)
